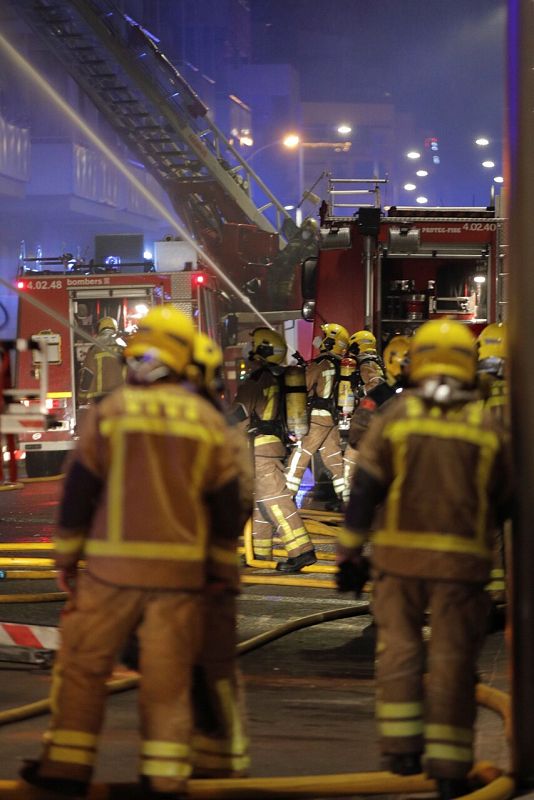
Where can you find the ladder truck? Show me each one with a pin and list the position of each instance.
(166, 127)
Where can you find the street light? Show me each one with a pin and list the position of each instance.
(291, 141)
(344, 129)
(413, 154)
(481, 141)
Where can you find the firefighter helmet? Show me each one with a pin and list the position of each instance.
(335, 339)
(493, 341)
(165, 335)
(107, 324)
(443, 347)
(362, 342)
(208, 360)
(268, 345)
(396, 356)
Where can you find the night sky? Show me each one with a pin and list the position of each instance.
(441, 60)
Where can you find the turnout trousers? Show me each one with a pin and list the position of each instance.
(274, 509)
(170, 627)
(323, 437)
(220, 742)
(435, 716)
(350, 462)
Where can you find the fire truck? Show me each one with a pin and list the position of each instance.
(224, 205)
(63, 320)
(389, 270)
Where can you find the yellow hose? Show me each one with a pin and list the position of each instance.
(308, 786)
(300, 624)
(44, 597)
(317, 527)
(23, 546)
(29, 575)
(43, 480)
(8, 487)
(287, 580)
(21, 561)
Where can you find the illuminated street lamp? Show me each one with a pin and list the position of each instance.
(344, 129)
(482, 141)
(421, 200)
(488, 164)
(413, 154)
(291, 141)
(410, 187)
(498, 179)
(421, 173)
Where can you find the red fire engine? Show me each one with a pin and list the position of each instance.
(70, 304)
(389, 270)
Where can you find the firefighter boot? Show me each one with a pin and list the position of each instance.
(405, 764)
(450, 788)
(295, 563)
(51, 788)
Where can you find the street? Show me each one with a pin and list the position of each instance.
(310, 694)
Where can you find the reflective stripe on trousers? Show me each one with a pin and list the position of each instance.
(169, 626)
(276, 512)
(325, 440)
(439, 717)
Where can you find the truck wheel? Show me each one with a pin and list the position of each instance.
(44, 464)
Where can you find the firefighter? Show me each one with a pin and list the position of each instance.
(147, 545)
(438, 464)
(259, 405)
(395, 367)
(322, 379)
(219, 743)
(362, 347)
(368, 375)
(491, 372)
(491, 369)
(396, 354)
(103, 367)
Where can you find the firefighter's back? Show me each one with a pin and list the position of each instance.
(162, 448)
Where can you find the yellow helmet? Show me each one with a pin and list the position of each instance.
(268, 345)
(395, 356)
(335, 340)
(166, 335)
(208, 360)
(361, 342)
(443, 347)
(493, 341)
(107, 323)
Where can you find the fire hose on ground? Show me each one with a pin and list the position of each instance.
(497, 786)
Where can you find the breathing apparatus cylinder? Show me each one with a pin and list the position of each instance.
(296, 401)
(345, 393)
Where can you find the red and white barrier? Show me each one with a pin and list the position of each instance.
(39, 636)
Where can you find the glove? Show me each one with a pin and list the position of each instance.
(352, 576)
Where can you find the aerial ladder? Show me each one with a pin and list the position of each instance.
(164, 123)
